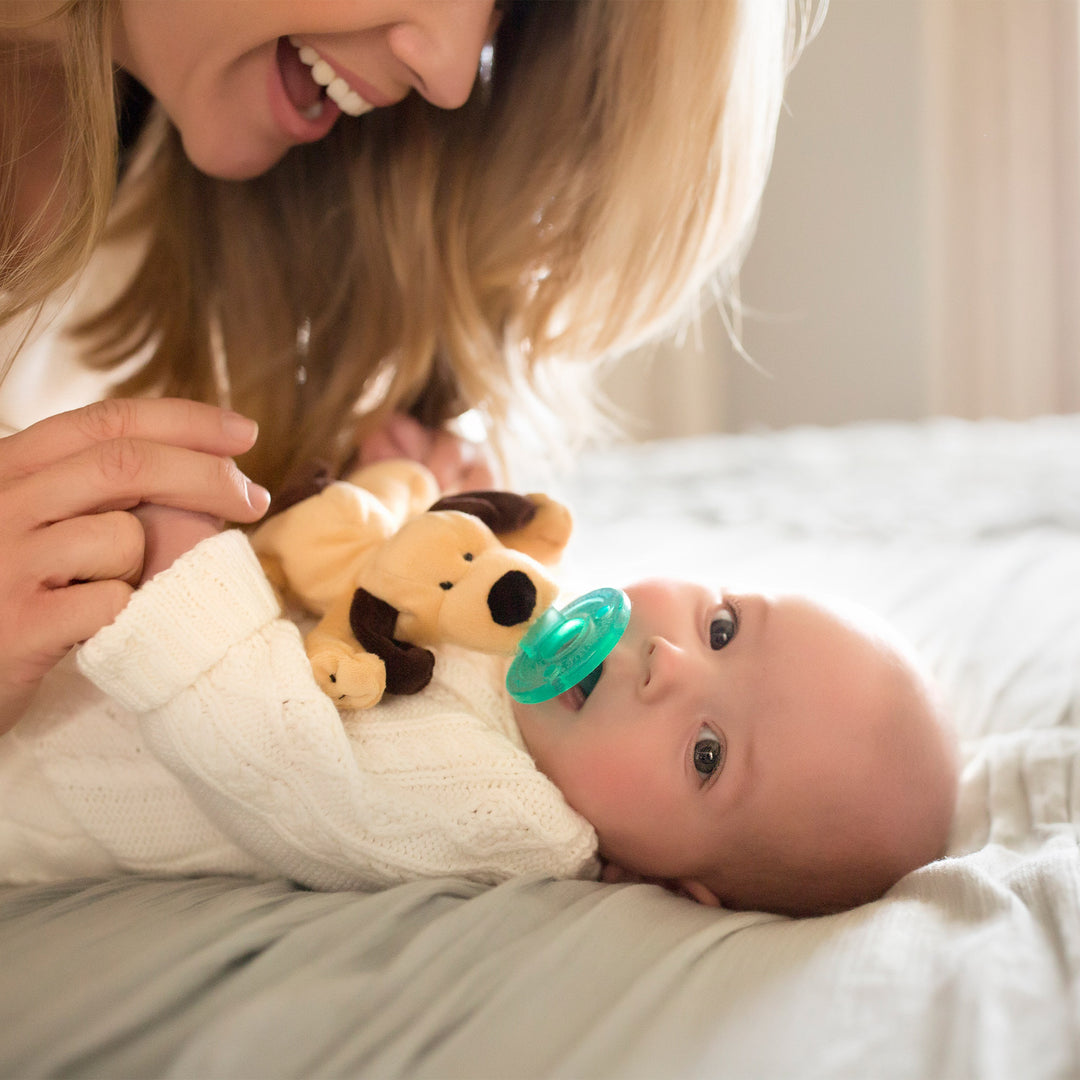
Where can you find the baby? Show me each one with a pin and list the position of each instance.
(748, 750)
(755, 751)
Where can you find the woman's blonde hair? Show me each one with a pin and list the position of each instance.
(41, 251)
(575, 206)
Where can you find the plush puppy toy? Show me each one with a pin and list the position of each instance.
(389, 578)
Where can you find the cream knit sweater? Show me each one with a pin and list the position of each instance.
(190, 738)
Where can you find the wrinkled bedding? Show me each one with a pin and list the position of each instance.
(967, 536)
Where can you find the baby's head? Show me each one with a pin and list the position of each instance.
(759, 751)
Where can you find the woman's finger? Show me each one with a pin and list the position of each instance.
(121, 473)
(33, 641)
(459, 465)
(479, 476)
(94, 547)
(79, 611)
(186, 424)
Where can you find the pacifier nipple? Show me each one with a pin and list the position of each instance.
(563, 647)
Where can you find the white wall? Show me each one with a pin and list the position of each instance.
(834, 284)
(861, 292)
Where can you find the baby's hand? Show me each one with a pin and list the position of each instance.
(169, 532)
(457, 464)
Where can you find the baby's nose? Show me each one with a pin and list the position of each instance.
(659, 668)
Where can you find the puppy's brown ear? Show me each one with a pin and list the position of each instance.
(408, 667)
(500, 511)
(301, 483)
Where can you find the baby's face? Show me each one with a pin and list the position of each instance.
(725, 724)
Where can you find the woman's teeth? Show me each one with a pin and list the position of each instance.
(337, 89)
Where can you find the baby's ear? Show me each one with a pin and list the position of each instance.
(692, 890)
(697, 891)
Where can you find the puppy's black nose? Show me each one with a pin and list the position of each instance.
(512, 598)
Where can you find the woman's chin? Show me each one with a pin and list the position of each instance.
(233, 159)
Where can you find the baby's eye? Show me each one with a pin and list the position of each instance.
(723, 628)
(708, 752)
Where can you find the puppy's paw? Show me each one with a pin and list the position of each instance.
(351, 679)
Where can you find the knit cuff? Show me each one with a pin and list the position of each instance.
(180, 623)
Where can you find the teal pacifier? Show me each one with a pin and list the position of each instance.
(564, 647)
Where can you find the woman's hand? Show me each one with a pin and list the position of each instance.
(457, 464)
(70, 550)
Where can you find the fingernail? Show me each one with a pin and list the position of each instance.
(257, 496)
(241, 428)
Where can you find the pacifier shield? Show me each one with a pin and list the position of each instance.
(563, 647)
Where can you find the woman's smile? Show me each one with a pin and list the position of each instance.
(310, 79)
(245, 82)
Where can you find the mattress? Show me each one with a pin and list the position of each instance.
(967, 536)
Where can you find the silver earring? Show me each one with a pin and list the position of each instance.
(487, 64)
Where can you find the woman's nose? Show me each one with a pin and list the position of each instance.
(661, 663)
(440, 46)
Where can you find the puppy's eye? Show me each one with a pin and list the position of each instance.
(468, 556)
(445, 585)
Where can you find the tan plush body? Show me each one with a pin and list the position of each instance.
(389, 576)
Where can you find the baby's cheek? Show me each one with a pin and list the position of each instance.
(609, 786)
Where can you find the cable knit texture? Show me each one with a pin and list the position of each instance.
(206, 747)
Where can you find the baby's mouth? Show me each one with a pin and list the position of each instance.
(576, 696)
(310, 80)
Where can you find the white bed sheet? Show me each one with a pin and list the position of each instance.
(967, 536)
